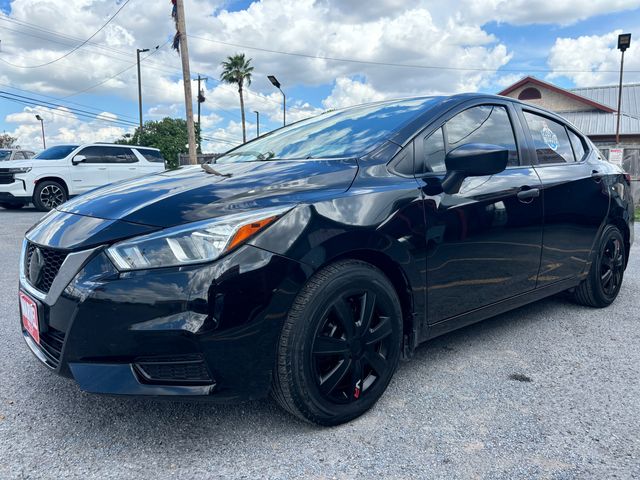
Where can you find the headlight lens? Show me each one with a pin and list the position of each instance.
(193, 243)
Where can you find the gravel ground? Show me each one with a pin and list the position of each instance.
(550, 390)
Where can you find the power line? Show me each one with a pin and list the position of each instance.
(73, 49)
(34, 102)
(399, 65)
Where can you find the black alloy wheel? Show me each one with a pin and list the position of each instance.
(48, 195)
(603, 284)
(350, 349)
(340, 344)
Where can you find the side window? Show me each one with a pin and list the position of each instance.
(151, 155)
(99, 154)
(578, 145)
(19, 156)
(550, 139)
(28, 154)
(483, 124)
(433, 153)
(403, 163)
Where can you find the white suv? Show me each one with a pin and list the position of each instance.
(60, 172)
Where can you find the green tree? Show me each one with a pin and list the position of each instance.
(7, 141)
(237, 70)
(169, 135)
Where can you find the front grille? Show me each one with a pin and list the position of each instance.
(53, 260)
(185, 370)
(6, 178)
(51, 345)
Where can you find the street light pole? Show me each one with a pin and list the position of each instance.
(138, 52)
(274, 81)
(257, 123)
(44, 144)
(200, 100)
(624, 41)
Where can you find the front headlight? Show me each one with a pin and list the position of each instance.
(18, 170)
(192, 243)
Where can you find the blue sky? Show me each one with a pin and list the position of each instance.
(465, 35)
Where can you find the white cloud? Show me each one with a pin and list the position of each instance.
(423, 32)
(593, 60)
(61, 126)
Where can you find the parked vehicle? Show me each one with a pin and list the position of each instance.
(15, 154)
(58, 173)
(307, 262)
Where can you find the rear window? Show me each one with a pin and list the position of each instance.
(151, 155)
(550, 139)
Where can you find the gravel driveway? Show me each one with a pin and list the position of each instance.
(550, 390)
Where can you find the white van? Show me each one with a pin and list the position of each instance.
(60, 172)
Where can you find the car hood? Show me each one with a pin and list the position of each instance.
(190, 194)
(16, 164)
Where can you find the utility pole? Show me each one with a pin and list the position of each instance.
(200, 100)
(138, 52)
(186, 77)
(624, 42)
(257, 123)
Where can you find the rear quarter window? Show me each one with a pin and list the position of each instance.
(550, 139)
(151, 155)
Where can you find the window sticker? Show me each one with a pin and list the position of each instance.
(550, 138)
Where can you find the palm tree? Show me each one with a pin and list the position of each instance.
(237, 70)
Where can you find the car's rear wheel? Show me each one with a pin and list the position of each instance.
(603, 284)
(48, 195)
(11, 206)
(340, 344)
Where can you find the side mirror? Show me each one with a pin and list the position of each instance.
(473, 160)
(78, 159)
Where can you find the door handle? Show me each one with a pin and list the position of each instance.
(596, 175)
(102, 168)
(526, 194)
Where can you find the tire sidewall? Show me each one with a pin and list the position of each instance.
(305, 330)
(596, 285)
(38, 191)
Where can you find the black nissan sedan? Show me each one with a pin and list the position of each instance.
(308, 262)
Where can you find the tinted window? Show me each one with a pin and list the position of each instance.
(99, 154)
(578, 145)
(151, 155)
(5, 155)
(433, 153)
(343, 133)
(20, 156)
(56, 153)
(485, 124)
(550, 139)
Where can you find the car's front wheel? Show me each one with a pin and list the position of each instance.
(340, 344)
(48, 195)
(603, 284)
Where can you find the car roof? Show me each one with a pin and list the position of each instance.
(122, 145)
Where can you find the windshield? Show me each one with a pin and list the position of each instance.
(344, 133)
(55, 153)
(5, 155)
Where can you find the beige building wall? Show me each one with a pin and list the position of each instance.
(552, 100)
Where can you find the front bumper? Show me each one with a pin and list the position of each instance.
(209, 330)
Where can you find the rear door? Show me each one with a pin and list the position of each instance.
(576, 200)
(123, 163)
(484, 242)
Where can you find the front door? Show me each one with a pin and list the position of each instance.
(484, 242)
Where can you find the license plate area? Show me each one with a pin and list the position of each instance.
(30, 316)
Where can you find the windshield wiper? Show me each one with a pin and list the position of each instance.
(209, 169)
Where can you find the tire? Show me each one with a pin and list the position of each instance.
(48, 195)
(330, 367)
(11, 206)
(603, 284)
